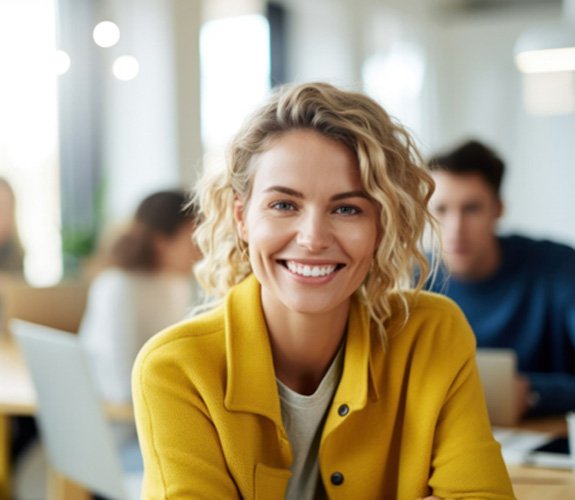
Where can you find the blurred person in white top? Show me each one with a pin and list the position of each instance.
(146, 286)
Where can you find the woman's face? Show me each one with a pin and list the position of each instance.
(310, 227)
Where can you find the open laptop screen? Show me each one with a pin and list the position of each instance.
(498, 370)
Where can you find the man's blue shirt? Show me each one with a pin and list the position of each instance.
(527, 305)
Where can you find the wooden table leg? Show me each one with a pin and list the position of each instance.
(4, 457)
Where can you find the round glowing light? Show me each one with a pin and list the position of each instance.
(61, 62)
(106, 34)
(126, 68)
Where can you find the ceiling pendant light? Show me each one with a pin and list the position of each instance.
(106, 34)
(548, 49)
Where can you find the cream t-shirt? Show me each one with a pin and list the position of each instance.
(303, 418)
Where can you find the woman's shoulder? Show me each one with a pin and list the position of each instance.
(425, 303)
(430, 316)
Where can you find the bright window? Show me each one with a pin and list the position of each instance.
(28, 131)
(395, 80)
(235, 65)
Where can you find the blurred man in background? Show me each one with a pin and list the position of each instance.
(516, 292)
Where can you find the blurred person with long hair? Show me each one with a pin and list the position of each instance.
(146, 285)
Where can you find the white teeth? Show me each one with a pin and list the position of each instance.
(313, 271)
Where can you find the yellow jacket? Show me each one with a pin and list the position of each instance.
(405, 422)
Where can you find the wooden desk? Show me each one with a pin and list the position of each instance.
(536, 483)
(17, 398)
(554, 425)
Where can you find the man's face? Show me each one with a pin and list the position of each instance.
(467, 210)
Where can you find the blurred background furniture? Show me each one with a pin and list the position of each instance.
(73, 423)
(60, 306)
(532, 482)
(17, 398)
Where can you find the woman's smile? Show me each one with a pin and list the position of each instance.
(310, 270)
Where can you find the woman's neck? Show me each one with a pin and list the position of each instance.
(304, 345)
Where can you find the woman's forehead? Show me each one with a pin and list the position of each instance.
(306, 158)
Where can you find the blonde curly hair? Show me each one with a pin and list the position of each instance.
(391, 170)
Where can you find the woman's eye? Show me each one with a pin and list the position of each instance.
(282, 205)
(347, 210)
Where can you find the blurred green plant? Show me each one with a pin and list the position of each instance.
(77, 246)
(79, 243)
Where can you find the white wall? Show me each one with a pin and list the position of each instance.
(472, 89)
(152, 136)
(479, 93)
(322, 42)
(139, 135)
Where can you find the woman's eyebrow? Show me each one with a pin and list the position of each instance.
(299, 194)
(350, 194)
(284, 190)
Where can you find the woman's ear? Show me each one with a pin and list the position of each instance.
(239, 217)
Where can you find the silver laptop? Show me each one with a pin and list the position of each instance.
(498, 369)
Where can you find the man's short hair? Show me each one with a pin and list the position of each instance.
(471, 157)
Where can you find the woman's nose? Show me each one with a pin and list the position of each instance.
(314, 233)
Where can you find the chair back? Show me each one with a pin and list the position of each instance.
(77, 436)
(60, 306)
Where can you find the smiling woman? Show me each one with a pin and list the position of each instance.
(320, 373)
